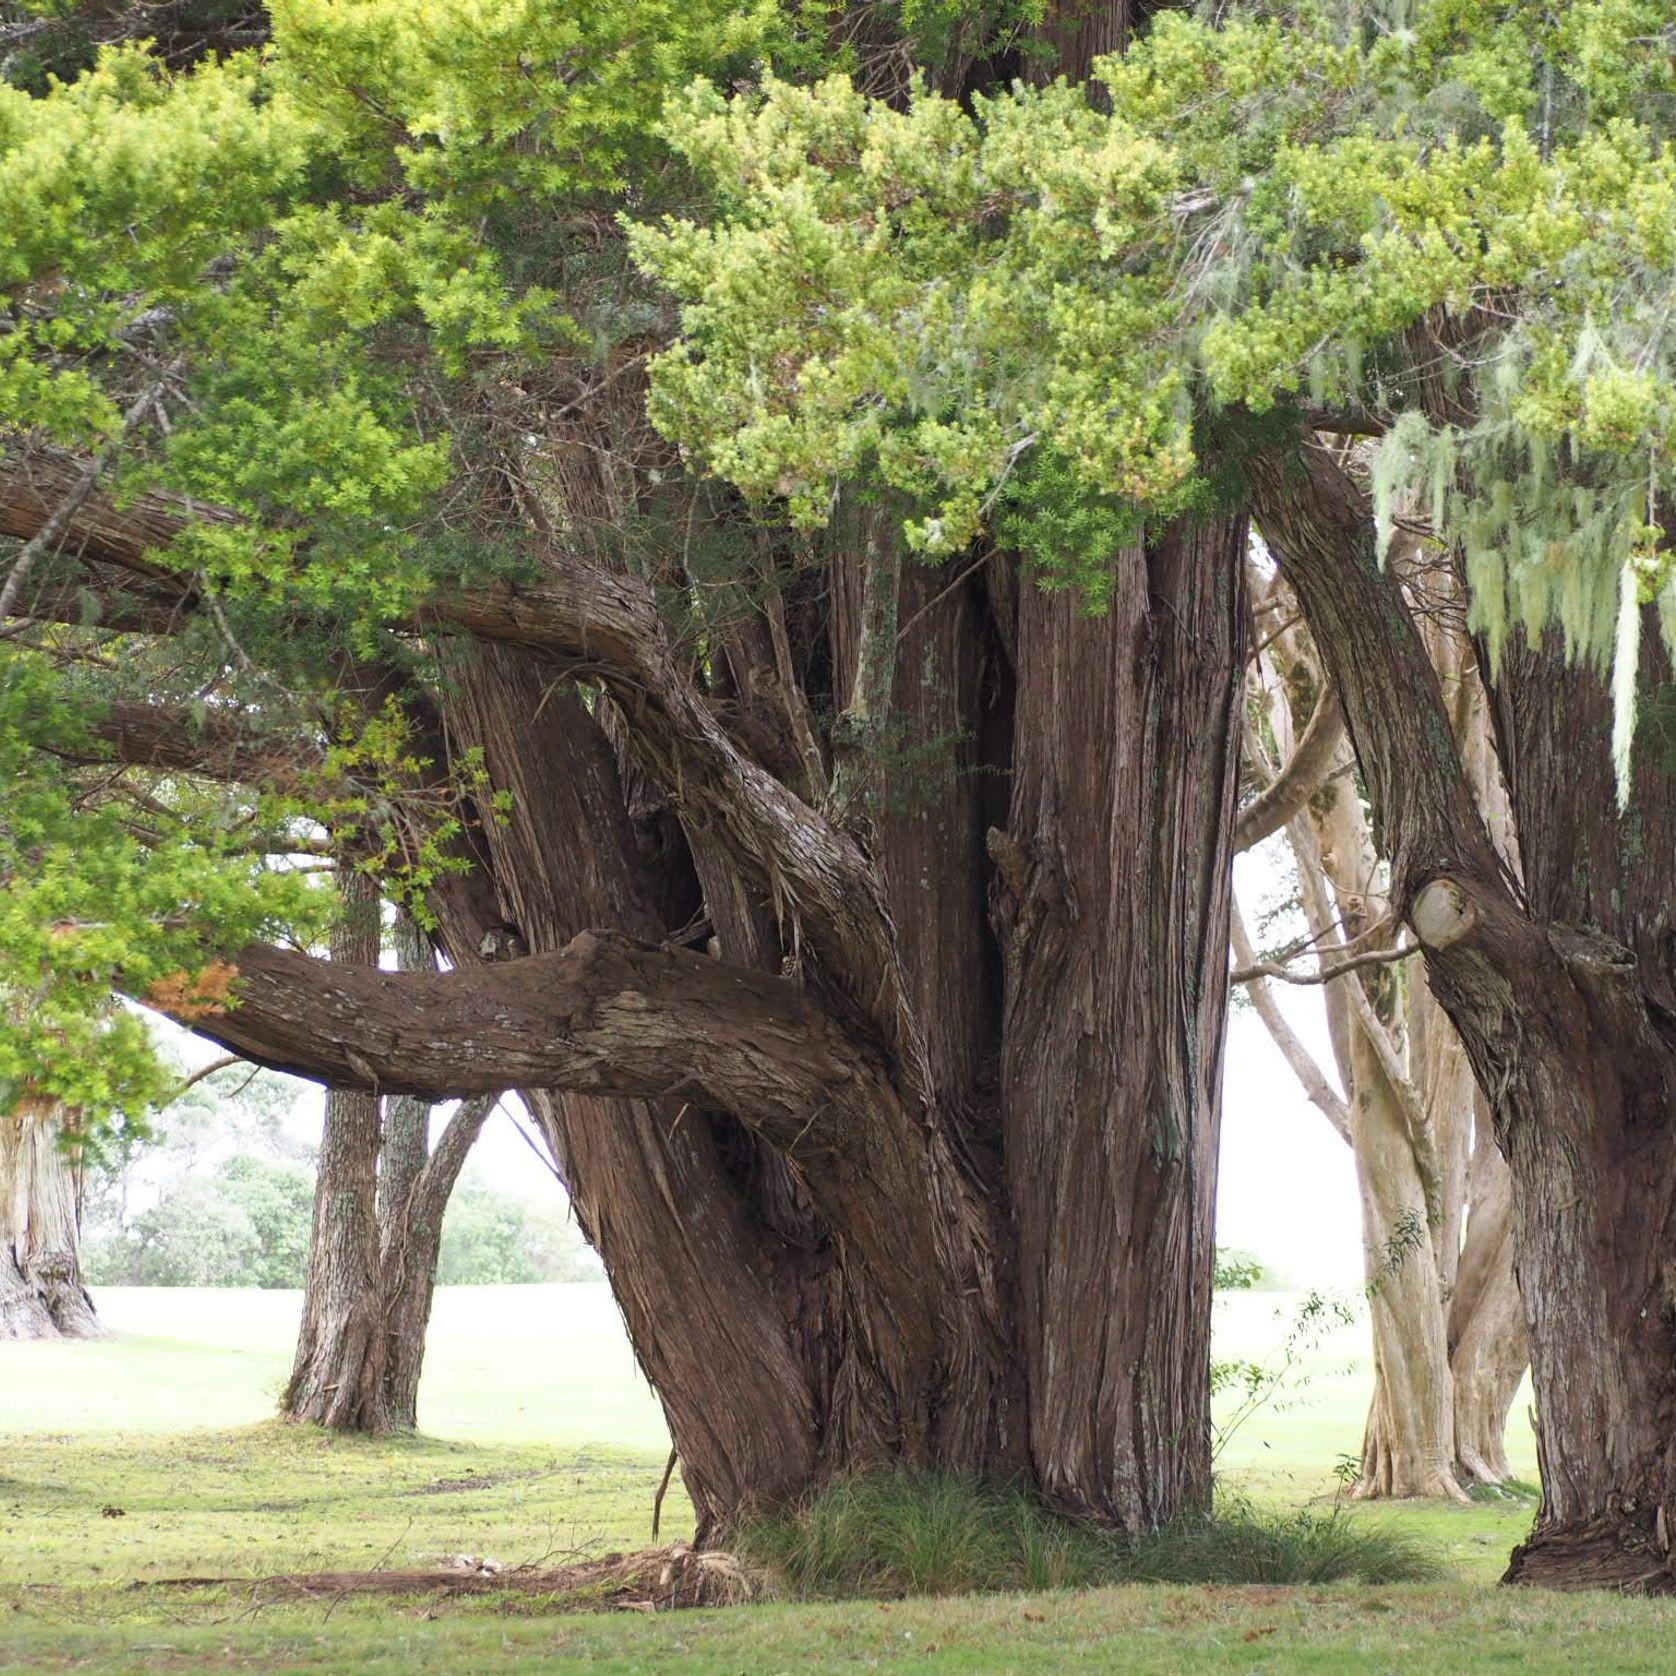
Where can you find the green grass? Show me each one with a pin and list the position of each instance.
(542, 1439)
(888, 1536)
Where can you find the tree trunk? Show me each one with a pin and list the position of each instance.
(410, 1238)
(1588, 1123)
(1488, 1350)
(1564, 994)
(337, 1375)
(986, 1248)
(380, 1198)
(41, 1290)
(1113, 903)
(1409, 1444)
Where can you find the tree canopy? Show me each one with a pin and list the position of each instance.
(314, 291)
(1065, 319)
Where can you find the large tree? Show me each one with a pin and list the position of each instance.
(1448, 232)
(856, 926)
(934, 1171)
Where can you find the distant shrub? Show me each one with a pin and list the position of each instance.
(245, 1224)
(1238, 1271)
(492, 1239)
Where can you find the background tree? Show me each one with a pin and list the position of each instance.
(41, 1289)
(381, 1191)
(1448, 1329)
(494, 1238)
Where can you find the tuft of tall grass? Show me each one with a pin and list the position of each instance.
(889, 1535)
(892, 1534)
(1242, 1544)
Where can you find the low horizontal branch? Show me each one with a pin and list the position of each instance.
(606, 1015)
(609, 623)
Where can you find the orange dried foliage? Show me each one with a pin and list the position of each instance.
(187, 995)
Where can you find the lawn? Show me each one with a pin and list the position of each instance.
(149, 1456)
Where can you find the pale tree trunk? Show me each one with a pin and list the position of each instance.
(380, 1198)
(1488, 1350)
(1409, 1111)
(41, 1289)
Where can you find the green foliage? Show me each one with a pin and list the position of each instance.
(1242, 1544)
(1238, 1271)
(245, 1225)
(893, 1535)
(490, 1238)
(325, 260)
(87, 905)
(890, 1535)
(1278, 194)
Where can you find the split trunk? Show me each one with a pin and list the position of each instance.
(380, 1196)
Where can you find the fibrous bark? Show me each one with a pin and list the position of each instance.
(844, 1179)
(856, 932)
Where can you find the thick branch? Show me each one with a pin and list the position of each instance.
(129, 607)
(217, 746)
(1307, 767)
(605, 1015)
(1319, 524)
(606, 624)
(49, 536)
(35, 486)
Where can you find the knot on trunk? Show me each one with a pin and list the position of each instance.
(1443, 914)
(1012, 862)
